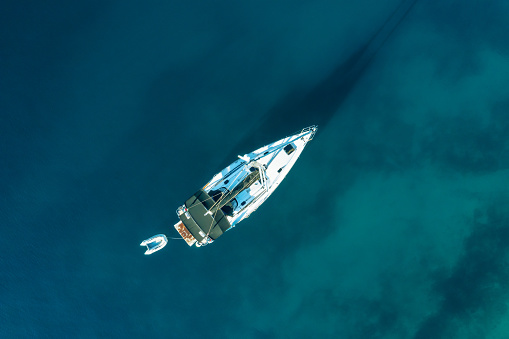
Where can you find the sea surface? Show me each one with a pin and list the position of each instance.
(394, 223)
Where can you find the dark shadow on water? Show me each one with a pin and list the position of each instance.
(318, 105)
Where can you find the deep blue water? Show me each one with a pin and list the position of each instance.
(394, 223)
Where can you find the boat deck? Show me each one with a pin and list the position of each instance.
(184, 232)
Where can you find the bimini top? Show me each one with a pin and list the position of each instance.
(200, 221)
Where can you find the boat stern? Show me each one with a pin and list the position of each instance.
(184, 233)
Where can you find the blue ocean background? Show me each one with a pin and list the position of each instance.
(394, 223)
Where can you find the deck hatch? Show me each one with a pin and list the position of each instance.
(289, 149)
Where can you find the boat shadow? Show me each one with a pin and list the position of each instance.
(317, 105)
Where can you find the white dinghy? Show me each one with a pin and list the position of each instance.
(154, 243)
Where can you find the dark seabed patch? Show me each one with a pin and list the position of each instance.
(474, 294)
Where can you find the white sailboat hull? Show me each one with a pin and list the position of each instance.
(239, 189)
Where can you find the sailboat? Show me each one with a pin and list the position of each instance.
(238, 190)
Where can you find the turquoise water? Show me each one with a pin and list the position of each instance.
(394, 223)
